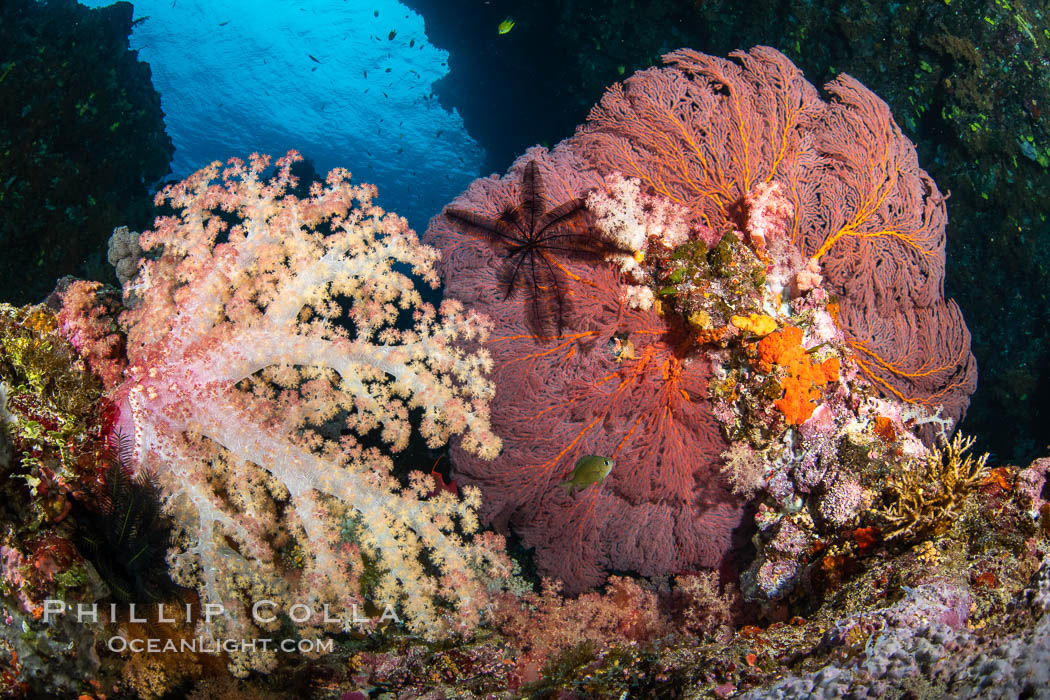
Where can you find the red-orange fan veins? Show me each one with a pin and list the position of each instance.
(618, 382)
(704, 130)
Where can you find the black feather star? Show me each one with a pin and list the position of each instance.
(120, 529)
(532, 238)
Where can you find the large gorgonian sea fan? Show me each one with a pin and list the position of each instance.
(702, 131)
(532, 236)
(617, 382)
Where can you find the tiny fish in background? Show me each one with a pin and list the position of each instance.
(506, 25)
(591, 469)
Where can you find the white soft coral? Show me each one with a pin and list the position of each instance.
(241, 360)
(632, 219)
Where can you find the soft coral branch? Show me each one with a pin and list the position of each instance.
(263, 320)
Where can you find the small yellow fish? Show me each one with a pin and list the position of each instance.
(590, 469)
(506, 25)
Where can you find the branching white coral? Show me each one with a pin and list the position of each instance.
(633, 219)
(272, 333)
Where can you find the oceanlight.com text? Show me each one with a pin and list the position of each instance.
(201, 645)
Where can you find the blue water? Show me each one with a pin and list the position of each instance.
(267, 76)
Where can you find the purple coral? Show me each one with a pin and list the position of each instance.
(841, 502)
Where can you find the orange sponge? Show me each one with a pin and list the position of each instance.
(803, 378)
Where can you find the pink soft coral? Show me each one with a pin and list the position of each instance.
(248, 387)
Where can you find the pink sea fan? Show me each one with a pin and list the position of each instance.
(704, 131)
(618, 382)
